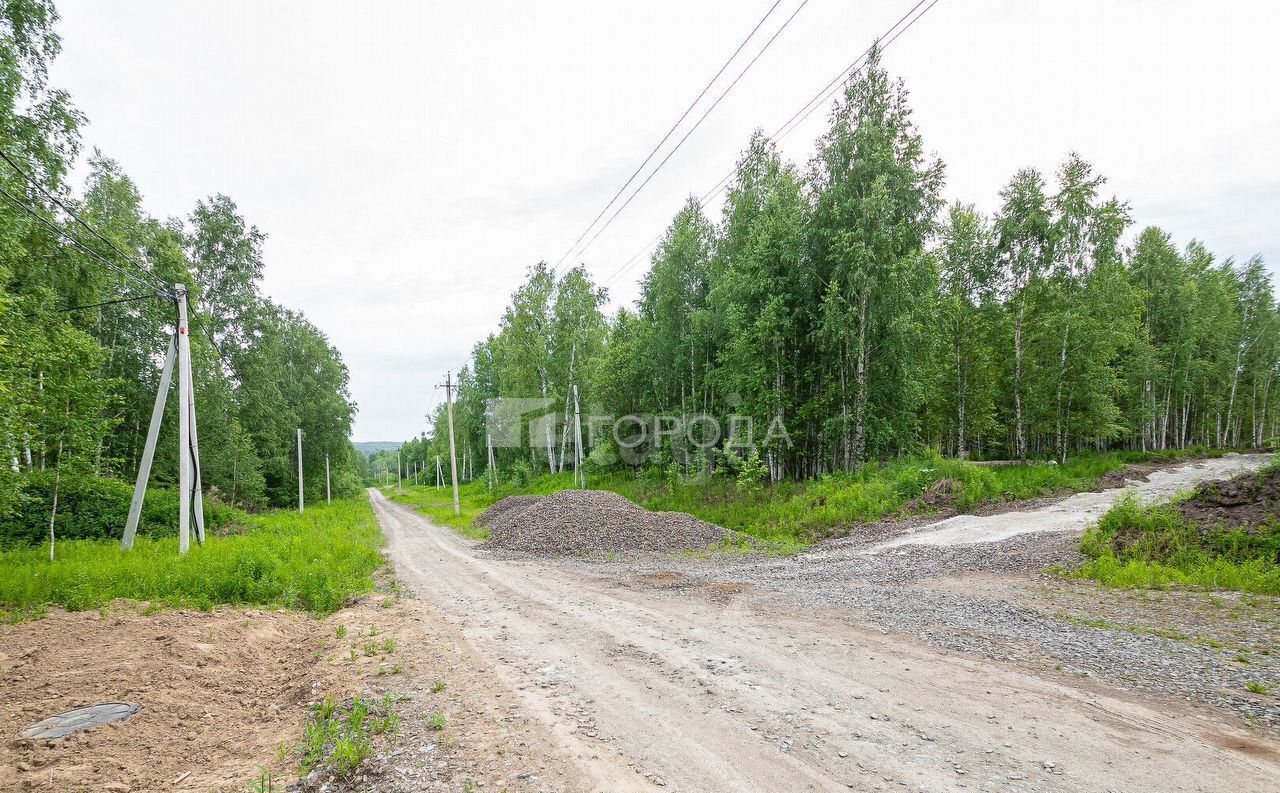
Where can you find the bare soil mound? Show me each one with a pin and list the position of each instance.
(507, 506)
(1249, 502)
(595, 521)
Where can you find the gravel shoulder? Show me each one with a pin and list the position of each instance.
(743, 672)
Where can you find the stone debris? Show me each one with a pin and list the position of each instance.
(591, 521)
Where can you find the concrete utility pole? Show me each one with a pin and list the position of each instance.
(190, 489)
(328, 497)
(439, 474)
(300, 502)
(493, 469)
(453, 454)
(579, 473)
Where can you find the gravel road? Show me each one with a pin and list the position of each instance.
(711, 675)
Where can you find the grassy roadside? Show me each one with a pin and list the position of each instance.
(314, 562)
(1136, 546)
(800, 512)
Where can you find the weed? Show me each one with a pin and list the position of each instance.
(437, 687)
(314, 562)
(388, 603)
(1256, 687)
(264, 782)
(389, 645)
(341, 740)
(436, 721)
(341, 632)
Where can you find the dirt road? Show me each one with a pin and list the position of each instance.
(646, 680)
(1077, 511)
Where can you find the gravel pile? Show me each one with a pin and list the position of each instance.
(593, 521)
(507, 506)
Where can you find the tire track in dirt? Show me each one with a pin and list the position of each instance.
(723, 692)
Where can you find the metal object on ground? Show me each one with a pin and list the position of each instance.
(64, 724)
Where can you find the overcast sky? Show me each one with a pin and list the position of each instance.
(409, 160)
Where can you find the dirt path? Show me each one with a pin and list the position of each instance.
(1075, 512)
(645, 681)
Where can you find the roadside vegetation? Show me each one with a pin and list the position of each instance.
(338, 739)
(315, 562)
(1180, 543)
(799, 512)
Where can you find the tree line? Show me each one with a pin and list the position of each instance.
(77, 384)
(846, 300)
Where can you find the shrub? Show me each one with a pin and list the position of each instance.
(93, 508)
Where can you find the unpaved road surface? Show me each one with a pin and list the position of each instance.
(1076, 511)
(699, 679)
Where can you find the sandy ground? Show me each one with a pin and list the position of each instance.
(1076, 511)
(222, 691)
(652, 679)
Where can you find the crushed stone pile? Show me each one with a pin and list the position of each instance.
(592, 521)
(507, 506)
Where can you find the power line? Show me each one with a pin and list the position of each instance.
(36, 184)
(74, 241)
(667, 136)
(694, 129)
(133, 299)
(795, 120)
(830, 88)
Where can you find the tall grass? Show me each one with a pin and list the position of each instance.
(791, 512)
(314, 562)
(1153, 547)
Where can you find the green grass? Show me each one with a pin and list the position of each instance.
(339, 739)
(1154, 547)
(790, 514)
(314, 562)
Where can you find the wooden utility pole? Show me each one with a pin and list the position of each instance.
(328, 495)
(300, 501)
(453, 453)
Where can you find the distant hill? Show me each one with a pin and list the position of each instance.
(370, 448)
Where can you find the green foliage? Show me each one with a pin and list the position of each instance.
(91, 508)
(1154, 546)
(77, 386)
(340, 739)
(843, 306)
(316, 561)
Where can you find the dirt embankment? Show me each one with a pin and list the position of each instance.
(1249, 501)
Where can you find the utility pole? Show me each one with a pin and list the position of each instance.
(328, 495)
(578, 472)
(453, 454)
(300, 502)
(439, 474)
(399, 481)
(492, 471)
(190, 489)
